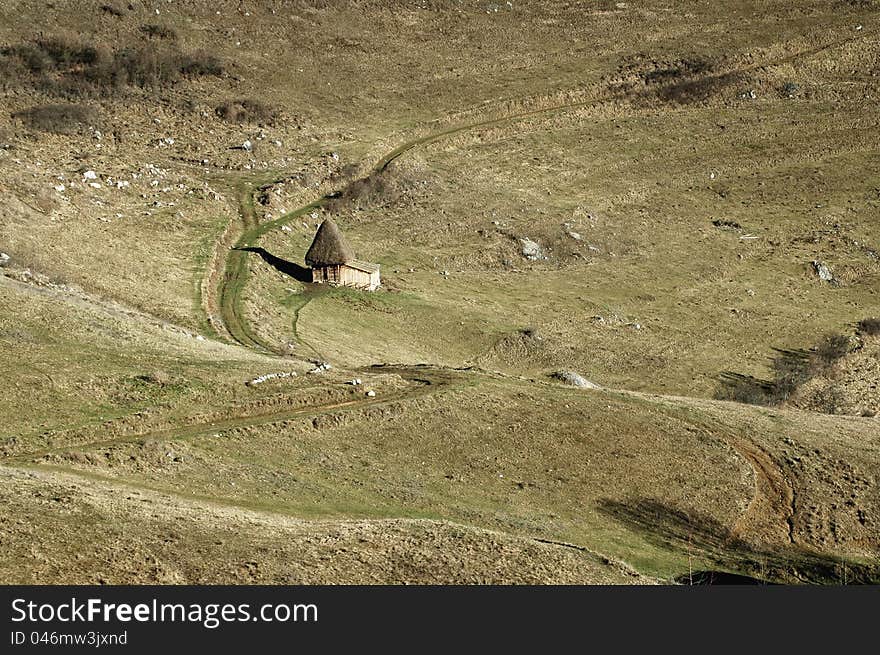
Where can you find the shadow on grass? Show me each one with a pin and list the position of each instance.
(700, 534)
(292, 269)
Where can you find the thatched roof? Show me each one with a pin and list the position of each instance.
(329, 247)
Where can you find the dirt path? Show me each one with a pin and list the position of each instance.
(423, 380)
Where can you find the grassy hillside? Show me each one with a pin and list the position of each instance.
(678, 203)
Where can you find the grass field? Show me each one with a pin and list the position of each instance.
(683, 169)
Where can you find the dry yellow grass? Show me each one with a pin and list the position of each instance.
(679, 167)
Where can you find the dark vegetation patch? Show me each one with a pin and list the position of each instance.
(664, 73)
(694, 532)
(683, 81)
(246, 110)
(791, 369)
(72, 69)
(112, 10)
(385, 187)
(869, 326)
(159, 32)
(59, 118)
(726, 225)
(697, 90)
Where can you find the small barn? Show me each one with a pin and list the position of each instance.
(332, 261)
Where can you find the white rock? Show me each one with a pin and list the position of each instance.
(95, 185)
(4, 259)
(59, 187)
(247, 145)
(90, 175)
(822, 271)
(371, 394)
(531, 250)
(575, 380)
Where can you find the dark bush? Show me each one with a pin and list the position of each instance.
(159, 32)
(384, 187)
(791, 369)
(245, 110)
(698, 90)
(30, 57)
(144, 67)
(113, 10)
(829, 350)
(830, 400)
(61, 119)
(869, 326)
(744, 389)
(199, 64)
(64, 52)
(65, 68)
(678, 70)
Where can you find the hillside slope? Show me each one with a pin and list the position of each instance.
(650, 196)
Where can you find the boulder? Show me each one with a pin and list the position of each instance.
(822, 271)
(531, 250)
(575, 380)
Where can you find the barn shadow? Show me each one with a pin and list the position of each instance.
(294, 270)
(706, 538)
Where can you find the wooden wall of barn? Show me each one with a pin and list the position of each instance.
(346, 276)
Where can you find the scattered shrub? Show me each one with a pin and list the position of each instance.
(158, 377)
(678, 70)
(113, 10)
(245, 110)
(744, 389)
(389, 185)
(60, 119)
(698, 90)
(869, 326)
(791, 369)
(199, 64)
(64, 52)
(828, 351)
(70, 69)
(790, 89)
(159, 32)
(830, 400)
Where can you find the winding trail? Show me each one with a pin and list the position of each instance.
(771, 509)
(422, 379)
(235, 276)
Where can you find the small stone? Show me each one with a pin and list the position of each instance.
(371, 394)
